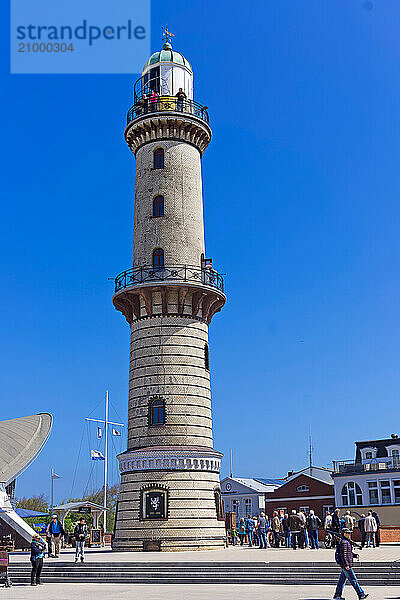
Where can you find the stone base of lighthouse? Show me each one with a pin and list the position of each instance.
(169, 500)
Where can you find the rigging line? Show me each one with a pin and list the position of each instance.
(77, 460)
(95, 408)
(117, 413)
(88, 481)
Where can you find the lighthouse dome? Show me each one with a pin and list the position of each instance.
(167, 55)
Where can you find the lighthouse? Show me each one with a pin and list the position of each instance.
(170, 496)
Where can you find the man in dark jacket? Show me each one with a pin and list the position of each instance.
(38, 548)
(346, 557)
(336, 521)
(378, 533)
(295, 528)
(80, 534)
(313, 524)
(362, 529)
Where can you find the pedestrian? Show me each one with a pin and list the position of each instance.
(38, 548)
(303, 531)
(180, 98)
(48, 540)
(276, 528)
(256, 538)
(249, 530)
(335, 525)
(313, 524)
(371, 528)
(349, 521)
(328, 521)
(361, 527)
(344, 556)
(80, 534)
(286, 530)
(56, 531)
(378, 532)
(262, 530)
(241, 531)
(294, 527)
(233, 535)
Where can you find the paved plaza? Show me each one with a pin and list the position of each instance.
(90, 591)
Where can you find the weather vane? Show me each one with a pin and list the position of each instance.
(167, 35)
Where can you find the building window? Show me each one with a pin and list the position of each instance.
(158, 257)
(303, 488)
(396, 457)
(158, 206)
(351, 494)
(304, 509)
(385, 492)
(154, 503)
(396, 491)
(219, 507)
(157, 412)
(158, 158)
(235, 507)
(327, 508)
(247, 506)
(206, 357)
(373, 492)
(368, 454)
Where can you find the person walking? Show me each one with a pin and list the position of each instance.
(56, 531)
(370, 527)
(294, 528)
(80, 534)
(313, 524)
(241, 531)
(262, 531)
(276, 528)
(180, 98)
(328, 521)
(378, 532)
(344, 557)
(361, 527)
(250, 530)
(38, 548)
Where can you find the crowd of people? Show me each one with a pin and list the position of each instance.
(298, 530)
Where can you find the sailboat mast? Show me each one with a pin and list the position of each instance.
(105, 463)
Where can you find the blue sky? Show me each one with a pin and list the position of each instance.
(301, 192)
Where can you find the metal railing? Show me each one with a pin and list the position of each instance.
(181, 273)
(351, 466)
(145, 106)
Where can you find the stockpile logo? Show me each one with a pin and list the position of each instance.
(79, 36)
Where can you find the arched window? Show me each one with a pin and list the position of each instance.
(351, 494)
(206, 357)
(157, 412)
(158, 257)
(303, 488)
(158, 158)
(158, 206)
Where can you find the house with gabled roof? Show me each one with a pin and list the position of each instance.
(245, 496)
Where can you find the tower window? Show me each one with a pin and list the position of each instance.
(157, 412)
(158, 158)
(206, 357)
(158, 206)
(158, 257)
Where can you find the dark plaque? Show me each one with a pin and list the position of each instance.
(95, 537)
(155, 505)
(84, 510)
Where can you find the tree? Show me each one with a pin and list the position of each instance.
(38, 503)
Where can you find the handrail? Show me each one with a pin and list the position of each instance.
(186, 273)
(145, 106)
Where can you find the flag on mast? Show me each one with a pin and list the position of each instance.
(116, 432)
(99, 433)
(96, 455)
(55, 476)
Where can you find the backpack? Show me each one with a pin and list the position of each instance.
(338, 556)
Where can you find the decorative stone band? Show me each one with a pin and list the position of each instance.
(158, 126)
(203, 301)
(170, 458)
